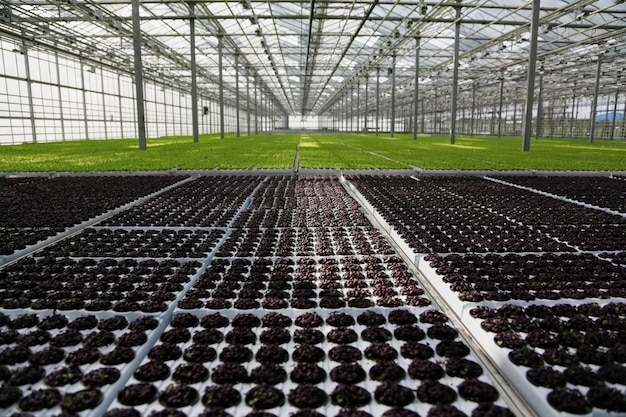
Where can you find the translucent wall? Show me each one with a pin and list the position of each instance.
(46, 96)
(482, 111)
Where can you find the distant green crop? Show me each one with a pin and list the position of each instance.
(319, 151)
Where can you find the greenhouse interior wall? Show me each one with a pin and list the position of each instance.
(48, 96)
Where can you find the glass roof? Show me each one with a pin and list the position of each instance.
(307, 55)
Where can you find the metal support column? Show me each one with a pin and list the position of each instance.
(119, 101)
(29, 88)
(366, 105)
(165, 112)
(624, 122)
(612, 134)
(237, 92)
(336, 124)
(248, 101)
(500, 106)
(435, 122)
(269, 111)
(393, 96)
(514, 117)
(461, 129)
(204, 131)
(571, 120)
(209, 104)
(339, 115)
(194, 84)
(594, 105)
(342, 120)
(351, 109)
(358, 107)
(104, 107)
(563, 118)
(417, 83)
(221, 81)
(539, 106)
(455, 72)
(61, 114)
(344, 112)
(262, 108)
(423, 116)
(377, 97)
(83, 94)
(492, 121)
(472, 122)
(256, 106)
(141, 121)
(578, 130)
(181, 114)
(530, 84)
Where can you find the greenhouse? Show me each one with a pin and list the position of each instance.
(69, 68)
(312, 209)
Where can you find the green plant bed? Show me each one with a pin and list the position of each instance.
(210, 152)
(342, 151)
(484, 153)
(326, 151)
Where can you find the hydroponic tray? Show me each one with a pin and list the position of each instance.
(209, 264)
(492, 285)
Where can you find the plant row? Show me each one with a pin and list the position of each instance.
(468, 214)
(606, 192)
(68, 364)
(121, 243)
(305, 241)
(66, 284)
(311, 201)
(304, 283)
(211, 201)
(36, 208)
(530, 277)
(577, 352)
(393, 363)
(570, 345)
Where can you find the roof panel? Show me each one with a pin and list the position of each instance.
(307, 56)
